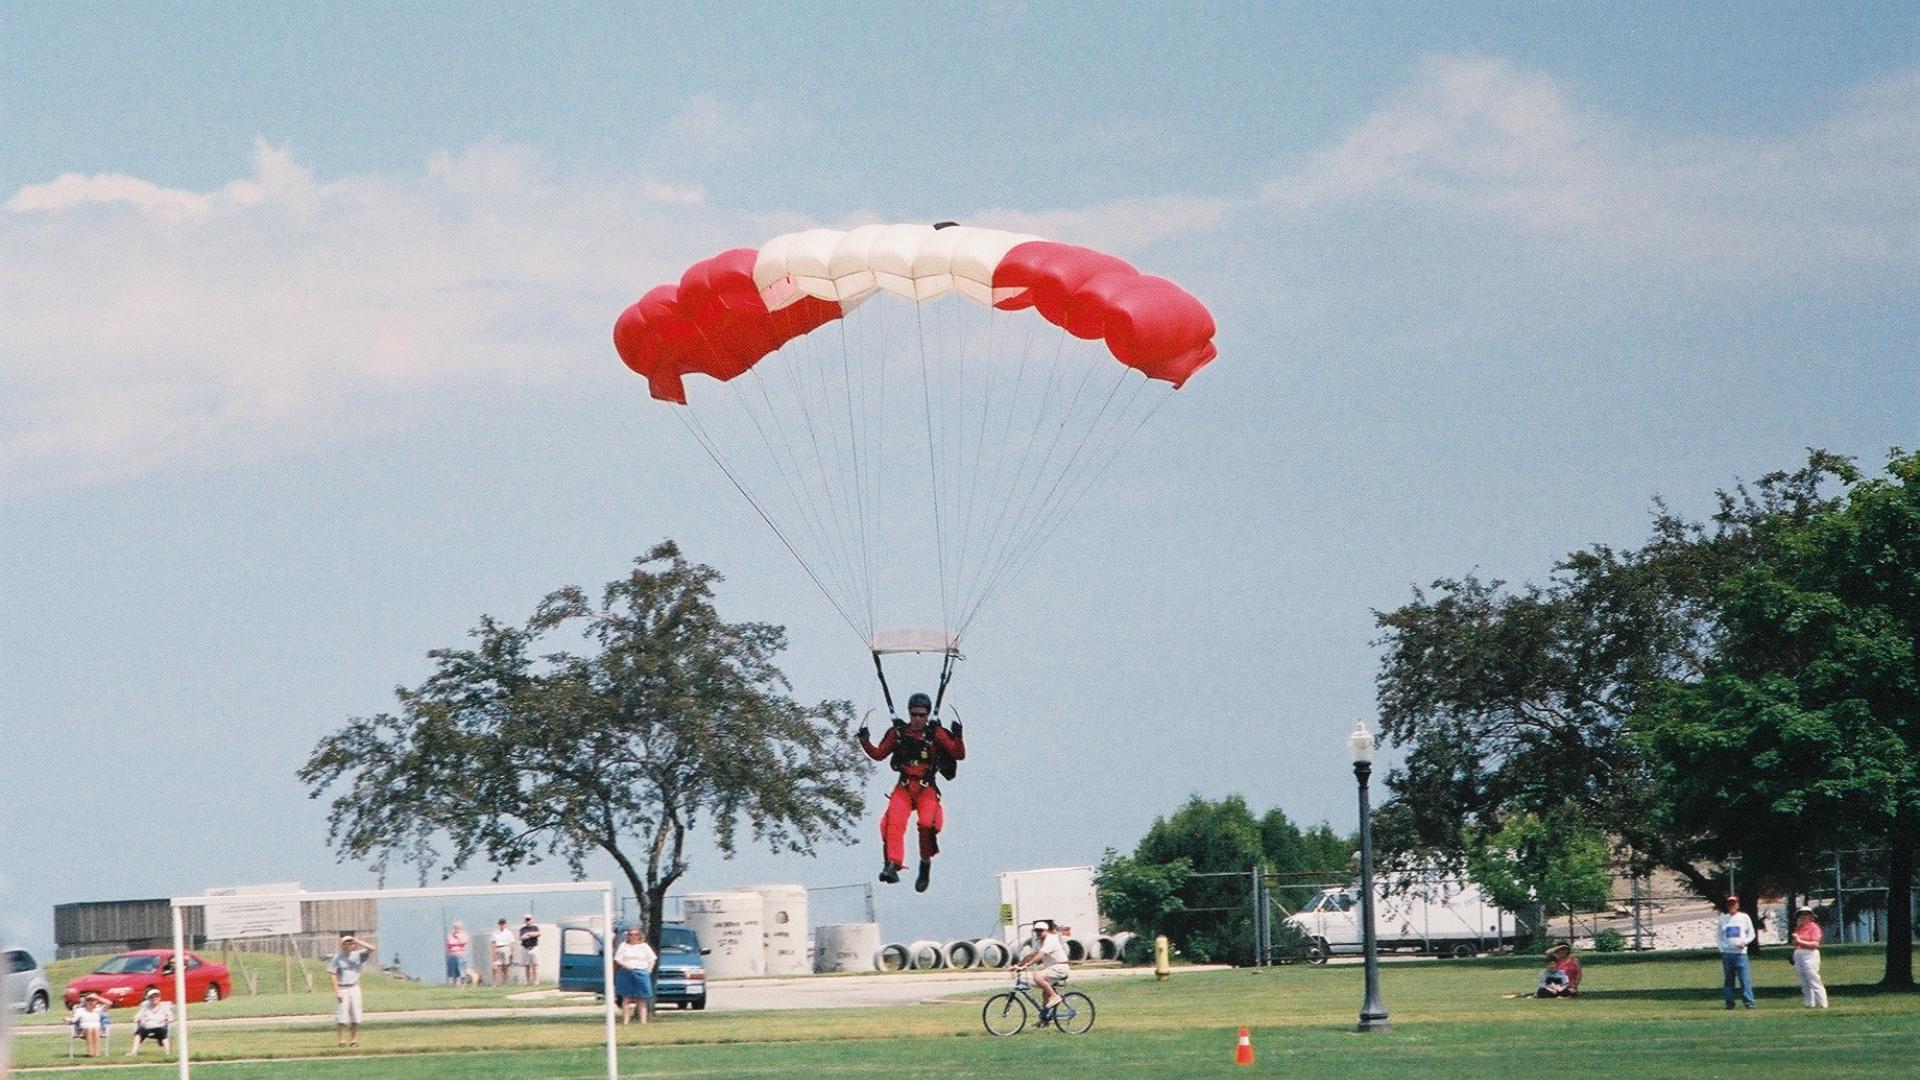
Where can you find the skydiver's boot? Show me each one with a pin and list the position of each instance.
(926, 874)
(890, 873)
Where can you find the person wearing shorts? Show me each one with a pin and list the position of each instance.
(633, 976)
(500, 946)
(458, 946)
(344, 970)
(529, 956)
(153, 1021)
(1048, 952)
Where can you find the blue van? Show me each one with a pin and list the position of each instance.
(679, 979)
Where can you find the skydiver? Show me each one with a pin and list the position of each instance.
(921, 753)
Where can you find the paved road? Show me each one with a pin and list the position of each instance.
(728, 995)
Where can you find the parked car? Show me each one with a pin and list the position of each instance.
(679, 979)
(26, 988)
(124, 978)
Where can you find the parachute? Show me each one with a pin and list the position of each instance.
(914, 457)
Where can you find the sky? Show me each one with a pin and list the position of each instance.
(305, 366)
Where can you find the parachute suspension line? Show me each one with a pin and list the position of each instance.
(1014, 503)
(789, 468)
(693, 426)
(797, 382)
(991, 485)
(859, 483)
(933, 466)
(1033, 525)
(1065, 511)
(973, 474)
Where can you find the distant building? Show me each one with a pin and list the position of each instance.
(97, 927)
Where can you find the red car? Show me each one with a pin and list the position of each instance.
(124, 978)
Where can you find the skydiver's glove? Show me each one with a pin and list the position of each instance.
(864, 734)
(955, 728)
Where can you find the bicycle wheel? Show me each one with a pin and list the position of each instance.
(1074, 1014)
(1004, 1014)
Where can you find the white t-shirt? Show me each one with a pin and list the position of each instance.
(635, 956)
(157, 1015)
(86, 1018)
(1052, 949)
(504, 940)
(1733, 933)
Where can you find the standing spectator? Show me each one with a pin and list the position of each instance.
(344, 970)
(633, 976)
(458, 963)
(1734, 932)
(501, 947)
(89, 1019)
(529, 941)
(1806, 959)
(153, 1021)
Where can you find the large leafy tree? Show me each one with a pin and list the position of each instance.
(668, 719)
(1516, 701)
(1551, 865)
(1805, 730)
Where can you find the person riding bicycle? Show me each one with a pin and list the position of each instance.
(1048, 950)
(921, 753)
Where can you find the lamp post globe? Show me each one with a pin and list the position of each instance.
(1373, 1015)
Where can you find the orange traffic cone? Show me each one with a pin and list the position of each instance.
(1243, 1054)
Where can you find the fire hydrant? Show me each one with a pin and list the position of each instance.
(1162, 965)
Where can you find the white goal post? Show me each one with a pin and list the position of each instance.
(604, 888)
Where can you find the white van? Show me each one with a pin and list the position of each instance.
(1444, 918)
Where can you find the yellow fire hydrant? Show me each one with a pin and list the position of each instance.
(1162, 964)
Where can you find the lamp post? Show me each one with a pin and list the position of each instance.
(1373, 1015)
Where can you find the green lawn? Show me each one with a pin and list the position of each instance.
(1653, 1017)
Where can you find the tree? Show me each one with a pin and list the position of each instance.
(671, 718)
(1518, 701)
(1551, 864)
(1138, 896)
(1805, 730)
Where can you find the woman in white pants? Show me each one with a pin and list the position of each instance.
(1806, 960)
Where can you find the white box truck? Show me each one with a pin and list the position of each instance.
(1444, 918)
(1064, 894)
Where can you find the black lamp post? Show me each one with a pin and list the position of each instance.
(1373, 1015)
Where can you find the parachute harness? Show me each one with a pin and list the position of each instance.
(949, 655)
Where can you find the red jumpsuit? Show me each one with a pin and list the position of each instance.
(916, 758)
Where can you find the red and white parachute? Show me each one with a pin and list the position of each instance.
(907, 451)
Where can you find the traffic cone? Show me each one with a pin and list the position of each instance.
(1243, 1054)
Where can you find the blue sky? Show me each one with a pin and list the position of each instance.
(304, 362)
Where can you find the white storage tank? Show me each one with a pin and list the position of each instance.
(783, 928)
(729, 927)
(846, 947)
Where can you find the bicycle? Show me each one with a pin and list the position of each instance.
(1005, 1013)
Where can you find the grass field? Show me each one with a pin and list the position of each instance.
(1642, 1016)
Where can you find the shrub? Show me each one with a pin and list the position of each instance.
(1609, 940)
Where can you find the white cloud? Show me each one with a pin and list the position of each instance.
(1478, 139)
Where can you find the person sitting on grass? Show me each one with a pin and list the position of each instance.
(1561, 975)
(152, 1021)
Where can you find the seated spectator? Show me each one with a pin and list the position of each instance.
(89, 1021)
(153, 1021)
(1569, 965)
(1553, 981)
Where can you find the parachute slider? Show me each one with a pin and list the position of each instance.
(914, 640)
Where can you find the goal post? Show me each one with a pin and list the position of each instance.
(180, 903)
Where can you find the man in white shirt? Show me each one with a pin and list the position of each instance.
(153, 1021)
(1048, 950)
(344, 970)
(501, 946)
(1733, 932)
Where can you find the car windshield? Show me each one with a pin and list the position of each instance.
(678, 939)
(129, 965)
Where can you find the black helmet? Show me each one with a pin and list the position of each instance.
(919, 701)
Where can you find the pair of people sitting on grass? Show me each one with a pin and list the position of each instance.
(1560, 977)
